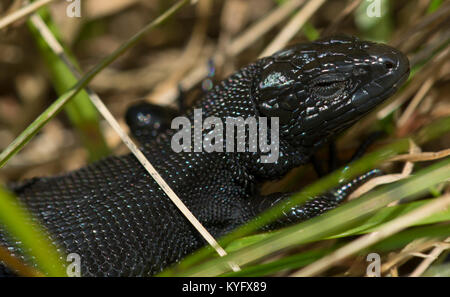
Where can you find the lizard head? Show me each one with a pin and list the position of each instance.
(319, 89)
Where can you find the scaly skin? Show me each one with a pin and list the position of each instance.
(122, 224)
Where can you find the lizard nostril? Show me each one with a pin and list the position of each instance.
(389, 65)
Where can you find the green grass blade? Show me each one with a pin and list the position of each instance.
(390, 213)
(81, 112)
(403, 238)
(302, 259)
(382, 216)
(17, 221)
(290, 262)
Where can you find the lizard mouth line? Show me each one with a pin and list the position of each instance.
(402, 79)
(363, 102)
(389, 91)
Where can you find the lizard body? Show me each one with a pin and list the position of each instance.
(114, 215)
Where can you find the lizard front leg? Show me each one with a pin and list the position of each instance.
(313, 207)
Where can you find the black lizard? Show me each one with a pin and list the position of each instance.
(121, 223)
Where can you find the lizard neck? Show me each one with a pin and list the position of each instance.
(230, 100)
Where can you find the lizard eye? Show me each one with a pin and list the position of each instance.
(328, 87)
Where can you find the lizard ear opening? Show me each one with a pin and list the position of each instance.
(276, 75)
(274, 90)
